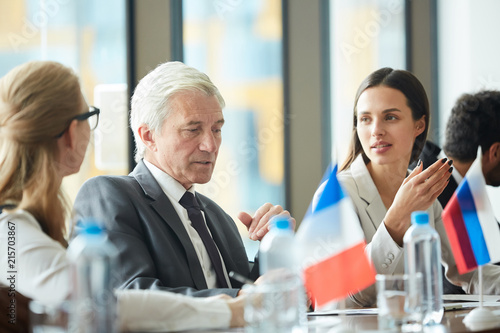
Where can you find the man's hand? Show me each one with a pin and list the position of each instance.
(258, 225)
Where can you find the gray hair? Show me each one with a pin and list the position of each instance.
(151, 99)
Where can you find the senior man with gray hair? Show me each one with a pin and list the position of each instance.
(170, 237)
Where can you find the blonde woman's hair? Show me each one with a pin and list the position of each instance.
(37, 102)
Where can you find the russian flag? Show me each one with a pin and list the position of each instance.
(332, 247)
(470, 224)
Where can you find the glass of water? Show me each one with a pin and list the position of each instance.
(48, 319)
(276, 306)
(399, 301)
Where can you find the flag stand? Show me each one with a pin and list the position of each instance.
(473, 212)
(480, 318)
(342, 327)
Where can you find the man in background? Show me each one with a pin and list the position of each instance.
(474, 122)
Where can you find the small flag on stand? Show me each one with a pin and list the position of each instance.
(470, 224)
(332, 246)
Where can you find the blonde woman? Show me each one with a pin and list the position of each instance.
(45, 126)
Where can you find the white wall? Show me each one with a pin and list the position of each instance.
(469, 57)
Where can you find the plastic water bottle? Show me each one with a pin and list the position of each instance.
(277, 248)
(423, 254)
(93, 302)
(281, 285)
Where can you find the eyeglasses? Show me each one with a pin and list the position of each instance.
(93, 121)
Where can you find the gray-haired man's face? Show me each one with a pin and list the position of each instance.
(188, 145)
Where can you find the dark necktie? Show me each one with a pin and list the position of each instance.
(189, 202)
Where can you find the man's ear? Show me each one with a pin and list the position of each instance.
(494, 152)
(147, 137)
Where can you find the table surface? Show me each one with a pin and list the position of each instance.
(452, 323)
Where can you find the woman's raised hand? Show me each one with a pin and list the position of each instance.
(417, 192)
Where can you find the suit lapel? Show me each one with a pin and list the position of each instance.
(162, 205)
(368, 192)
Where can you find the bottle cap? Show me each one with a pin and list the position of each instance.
(91, 227)
(420, 217)
(280, 222)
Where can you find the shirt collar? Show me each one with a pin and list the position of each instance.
(168, 184)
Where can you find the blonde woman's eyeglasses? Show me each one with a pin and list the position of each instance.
(92, 116)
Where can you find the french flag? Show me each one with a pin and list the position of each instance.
(470, 224)
(332, 246)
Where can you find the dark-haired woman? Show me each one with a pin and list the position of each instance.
(391, 120)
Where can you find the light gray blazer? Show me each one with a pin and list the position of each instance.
(386, 255)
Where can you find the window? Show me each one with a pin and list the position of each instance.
(468, 57)
(365, 35)
(239, 45)
(89, 36)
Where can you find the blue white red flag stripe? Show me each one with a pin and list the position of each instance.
(332, 246)
(470, 224)
(458, 236)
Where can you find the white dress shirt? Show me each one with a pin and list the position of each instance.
(174, 191)
(42, 273)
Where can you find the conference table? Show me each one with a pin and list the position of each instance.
(452, 323)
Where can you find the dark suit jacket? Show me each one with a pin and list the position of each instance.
(155, 249)
(429, 155)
